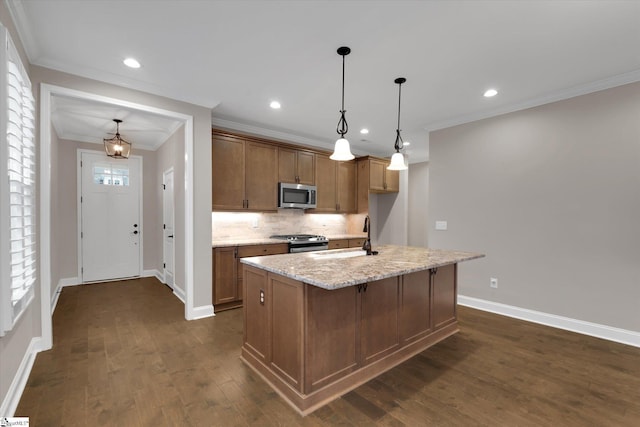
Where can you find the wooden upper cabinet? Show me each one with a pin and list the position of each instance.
(261, 177)
(326, 183)
(374, 177)
(227, 163)
(244, 174)
(296, 166)
(381, 179)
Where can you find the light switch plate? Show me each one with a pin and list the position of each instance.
(441, 225)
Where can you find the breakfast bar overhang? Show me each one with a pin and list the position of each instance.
(319, 324)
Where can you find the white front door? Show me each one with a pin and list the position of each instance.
(168, 233)
(110, 210)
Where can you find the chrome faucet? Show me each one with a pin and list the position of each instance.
(367, 243)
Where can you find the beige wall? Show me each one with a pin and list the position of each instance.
(552, 196)
(201, 160)
(14, 345)
(418, 204)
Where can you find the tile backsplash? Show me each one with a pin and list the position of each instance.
(228, 225)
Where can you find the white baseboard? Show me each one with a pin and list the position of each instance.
(153, 273)
(14, 393)
(179, 292)
(69, 281)
(623, 336)
(202, 312)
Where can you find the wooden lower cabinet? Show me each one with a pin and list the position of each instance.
(313, 345)
(228, 272)
(346, 243)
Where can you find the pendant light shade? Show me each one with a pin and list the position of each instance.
(117, 147)
(342, 151)
(397, 160)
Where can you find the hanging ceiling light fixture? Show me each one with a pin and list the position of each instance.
(117, 147)
(397, 160)
(342, 152)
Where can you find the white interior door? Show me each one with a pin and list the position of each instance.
(168, 229)
(110, 210)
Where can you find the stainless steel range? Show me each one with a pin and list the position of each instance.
(304, 242)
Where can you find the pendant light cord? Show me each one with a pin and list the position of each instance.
(342, 127)
(399, 142)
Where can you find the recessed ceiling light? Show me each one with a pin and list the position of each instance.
(275, 105)
(131, 63)
(490, 92)
(406, 143)
(364, 131)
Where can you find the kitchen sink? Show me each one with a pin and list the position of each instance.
(337, 255)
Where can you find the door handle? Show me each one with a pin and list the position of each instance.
(171, 236)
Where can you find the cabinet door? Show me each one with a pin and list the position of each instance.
(346, 187)
(261, 186)
(444, 295)
(379, 319)
(332, 340)
(376, 175)
(224, 280)
(306, 168)
(326, 183)
(287, 165)
(415, 306)
(227, 174)
(392, 181)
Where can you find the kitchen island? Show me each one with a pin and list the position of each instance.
(319, 324)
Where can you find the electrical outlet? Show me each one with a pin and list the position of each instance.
(441, 225)
(493, 283)
(254, 223)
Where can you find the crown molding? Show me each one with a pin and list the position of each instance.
(608, 83)
(19, 18)
(218, 122)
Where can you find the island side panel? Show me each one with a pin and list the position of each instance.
(415, 306)
(286, 329)
(379, 320)
(444, 300)
(332, 335)
(257, 336)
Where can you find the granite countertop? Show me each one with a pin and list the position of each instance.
(220, 243)
(347, 267)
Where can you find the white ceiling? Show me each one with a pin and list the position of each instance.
(237, 56)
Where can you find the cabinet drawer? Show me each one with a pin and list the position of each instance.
(356, 243)
(260, 250)
(338, 244)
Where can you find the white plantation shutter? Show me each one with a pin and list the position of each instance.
(17, 188)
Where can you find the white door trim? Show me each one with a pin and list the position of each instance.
(46, 92)
(173, 247)
(79, 209)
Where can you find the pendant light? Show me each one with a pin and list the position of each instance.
(342, 152)
(397, 160)
(117, 147)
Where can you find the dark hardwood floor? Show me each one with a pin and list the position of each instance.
(124, 355)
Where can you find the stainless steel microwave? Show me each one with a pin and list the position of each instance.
(296, 196)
